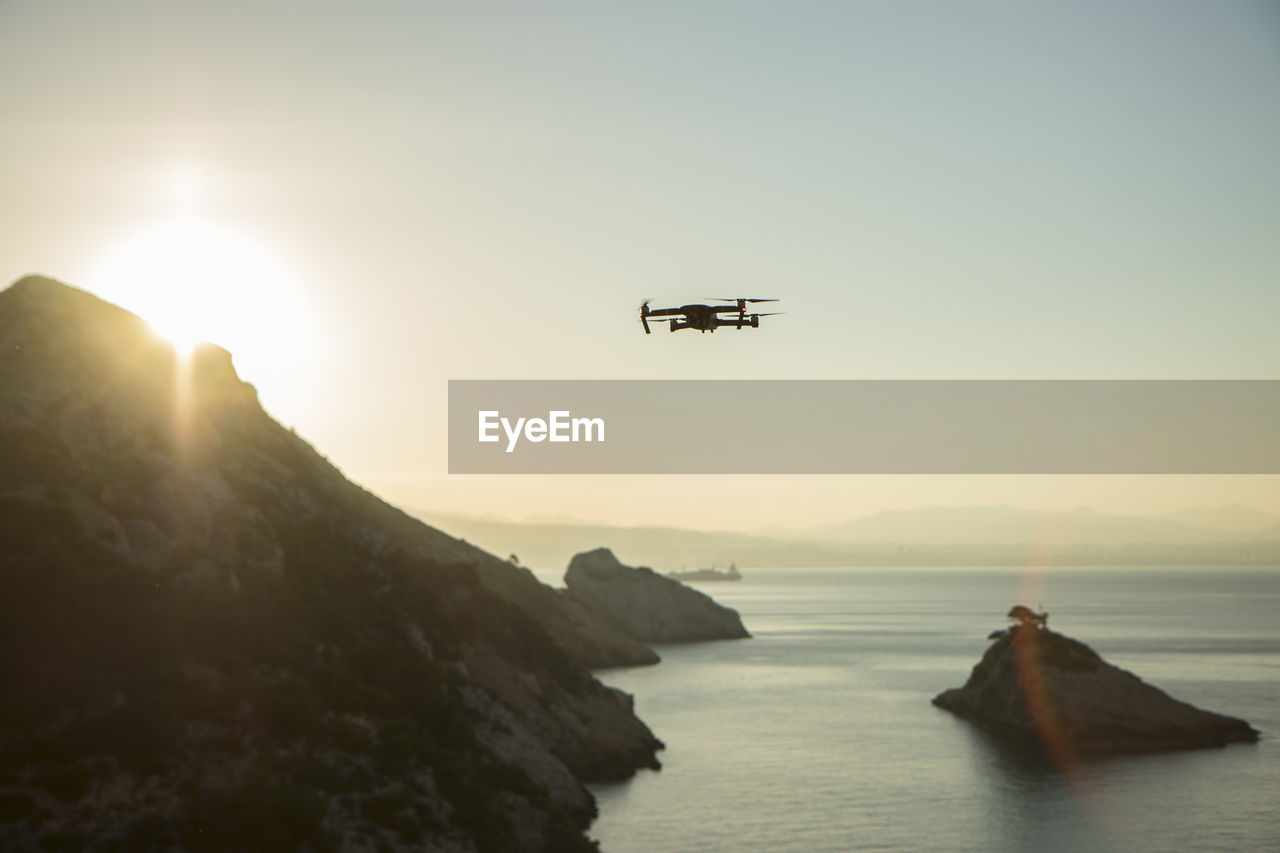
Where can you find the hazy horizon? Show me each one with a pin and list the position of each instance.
(925, 536)
(364, 204)
(1185, 515)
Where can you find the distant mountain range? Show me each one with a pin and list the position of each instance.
(1002, 524)
(984, 535)
(1227, 517)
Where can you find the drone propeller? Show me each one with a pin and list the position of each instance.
(770, 314)
(724, 299)
(644, 305)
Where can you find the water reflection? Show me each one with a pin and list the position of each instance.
(1030, 803)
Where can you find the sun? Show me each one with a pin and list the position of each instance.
(193, 280)
(195, 274)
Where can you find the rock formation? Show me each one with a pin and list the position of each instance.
(1042, 690)
(645, 605)
(211, 639)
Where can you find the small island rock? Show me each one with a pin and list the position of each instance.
(645, 605)
(1040, 688)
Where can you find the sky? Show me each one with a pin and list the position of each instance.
(363, 201)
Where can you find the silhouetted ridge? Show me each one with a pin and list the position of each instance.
(210, 639)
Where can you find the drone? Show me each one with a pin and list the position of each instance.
(706, 318)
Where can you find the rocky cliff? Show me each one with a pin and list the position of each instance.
(645, 605)
(1045, 691)
(211, 639)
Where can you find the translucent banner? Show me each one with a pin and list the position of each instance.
(864, 427)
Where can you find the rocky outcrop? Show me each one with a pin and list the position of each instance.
(1044, 691)
(645, 605)
(210, 638)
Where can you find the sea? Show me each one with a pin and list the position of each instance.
(817, 734)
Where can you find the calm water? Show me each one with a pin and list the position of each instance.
(818, 734)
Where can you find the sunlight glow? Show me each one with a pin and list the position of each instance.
(187, 186)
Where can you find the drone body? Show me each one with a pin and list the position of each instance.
(705, 318)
